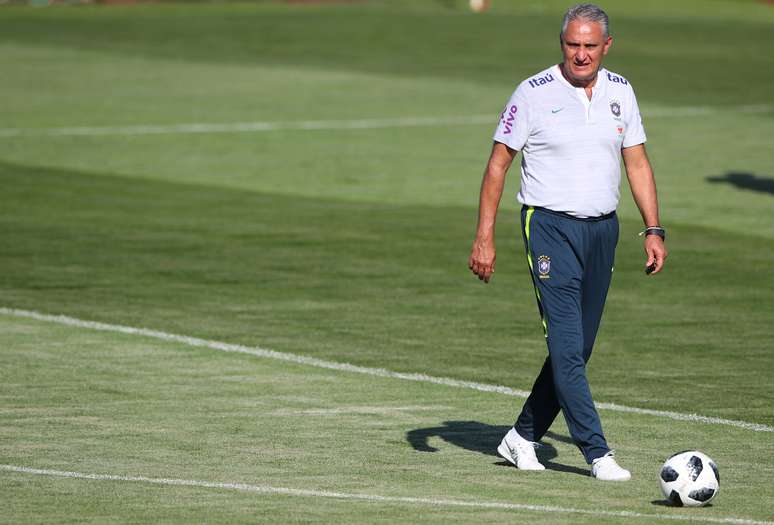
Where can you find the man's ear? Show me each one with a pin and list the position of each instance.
(608, 43)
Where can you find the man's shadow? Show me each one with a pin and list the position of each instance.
(483, 438)
(746, 181)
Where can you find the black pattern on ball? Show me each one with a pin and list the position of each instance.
(715, 470)
(669, 474)
(703, 494)
(695, 466)
(674, 497)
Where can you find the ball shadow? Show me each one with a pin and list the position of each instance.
(667, 503)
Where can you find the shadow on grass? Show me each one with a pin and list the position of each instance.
(483, 438)
(470, 435)
(559, 437)
(667, 503)
(746, 181)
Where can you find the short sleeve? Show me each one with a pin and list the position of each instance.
(513, 128)
(635, 132)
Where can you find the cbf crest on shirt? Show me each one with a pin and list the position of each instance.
(571, 146)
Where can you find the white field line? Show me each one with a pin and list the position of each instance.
(251, 127)
(359, 410)
(352, 124)
(375, 498)
(346, 367)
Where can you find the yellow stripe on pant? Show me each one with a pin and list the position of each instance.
(527, 220)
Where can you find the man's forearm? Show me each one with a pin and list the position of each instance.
(491, 193)
(644, 192)
(642, 183)
(482, 254)
(492, 189)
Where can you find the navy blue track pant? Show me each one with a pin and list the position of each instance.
(571, 262)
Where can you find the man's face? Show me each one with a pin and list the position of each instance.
(583, 46)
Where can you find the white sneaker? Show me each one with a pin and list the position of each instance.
(519, 451)
(606, 469)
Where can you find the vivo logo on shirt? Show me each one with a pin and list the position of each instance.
(507, 119)
(539, 81)
(616, 79)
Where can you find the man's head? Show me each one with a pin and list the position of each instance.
(585, 39)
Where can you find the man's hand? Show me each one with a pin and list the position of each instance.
(656, 252)
(482, 259)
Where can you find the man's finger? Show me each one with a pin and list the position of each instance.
(658, 262)
(660, 259)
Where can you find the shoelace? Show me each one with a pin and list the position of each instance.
(522, 447)
(610, 454)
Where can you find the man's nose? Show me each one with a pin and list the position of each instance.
(581, 55)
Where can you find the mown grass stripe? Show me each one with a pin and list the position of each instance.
(373, 498)
(366, 123)
(346, 367)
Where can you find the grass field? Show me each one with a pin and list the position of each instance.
(304, 179)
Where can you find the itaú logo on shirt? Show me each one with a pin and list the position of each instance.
(539, 81)
(507, 118)
(615, 78)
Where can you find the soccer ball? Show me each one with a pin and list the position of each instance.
(479, 6)
(689, 478)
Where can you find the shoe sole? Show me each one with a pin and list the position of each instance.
(613, 479)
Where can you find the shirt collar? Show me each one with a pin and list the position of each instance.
(601, 78)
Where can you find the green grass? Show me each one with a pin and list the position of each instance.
(267, 423)
(351, 245)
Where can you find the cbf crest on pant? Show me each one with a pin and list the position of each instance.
(544, 266)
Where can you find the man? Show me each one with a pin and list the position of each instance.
(572, 122)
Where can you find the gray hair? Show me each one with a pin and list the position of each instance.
(589, 12)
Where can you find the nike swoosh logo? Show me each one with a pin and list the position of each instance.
(556, 110)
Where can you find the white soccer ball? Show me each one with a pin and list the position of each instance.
(479, 6)
(689, 478)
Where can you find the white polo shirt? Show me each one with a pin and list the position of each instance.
(571, 146)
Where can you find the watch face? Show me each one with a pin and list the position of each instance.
(656, 231)
(661, 232)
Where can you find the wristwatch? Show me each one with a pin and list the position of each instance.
(654, 230)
